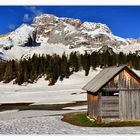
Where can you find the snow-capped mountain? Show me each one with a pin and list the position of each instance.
(49, 34)
(74, 33)
(22, 36)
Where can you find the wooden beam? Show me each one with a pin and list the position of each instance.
(118, 89)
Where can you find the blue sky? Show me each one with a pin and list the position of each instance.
(124, 21)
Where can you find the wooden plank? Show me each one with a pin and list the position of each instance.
(133, 105)
(110, 106)
(138, 107)
(137, 104)
(120, 106)
(127, 113)
(118, 89)
(110, 114)
(100, 104)
(123, 105)
(110, 97)
(130, 102)
(129, 105)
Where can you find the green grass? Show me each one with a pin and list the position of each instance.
(80, 119)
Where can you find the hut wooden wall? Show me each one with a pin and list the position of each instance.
(105, 106)
(124, 80)
(126, 106)
(128, 80)
(110, 107)
(94, 105)
(129, 95)
(129, 105)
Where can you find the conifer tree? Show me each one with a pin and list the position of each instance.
(2, 70)
(64, 67)
(74, 62)
(59, 67)
(20, 74)
(10, 71)
(86, 63)
(94, 59)
(26, 71)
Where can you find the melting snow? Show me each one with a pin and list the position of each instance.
(41, 93)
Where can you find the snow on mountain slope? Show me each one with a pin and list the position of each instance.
(49, 34)
(91, 26)
(50, 49)
(26, 52)
(132, 48)
(19, 37)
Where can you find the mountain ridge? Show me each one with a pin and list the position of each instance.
(49, 34)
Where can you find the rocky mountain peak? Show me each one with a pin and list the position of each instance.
(91, 26)
(72, 34)
(45, 20)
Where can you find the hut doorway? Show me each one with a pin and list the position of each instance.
(110, 104)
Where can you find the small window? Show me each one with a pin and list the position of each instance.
(110, 93)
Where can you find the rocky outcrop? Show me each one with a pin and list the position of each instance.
(105, 48)
(74, 33)
(31, 40)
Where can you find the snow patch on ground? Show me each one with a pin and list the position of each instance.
(66, 91)
(77, 107)
(8, 111)
(41, 93)
(46, 124)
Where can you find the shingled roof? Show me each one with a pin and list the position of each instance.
(104, 77)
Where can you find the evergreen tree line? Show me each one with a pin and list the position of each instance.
(56, 67)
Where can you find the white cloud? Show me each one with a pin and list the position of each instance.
(33, 11)
(27, 18)
(11, 26)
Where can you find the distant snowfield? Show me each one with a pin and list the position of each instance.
(41, 93)
(45, 48)
(69, 90)
(59, 49)
(132, 48)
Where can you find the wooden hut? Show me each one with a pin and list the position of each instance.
(114, 93)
